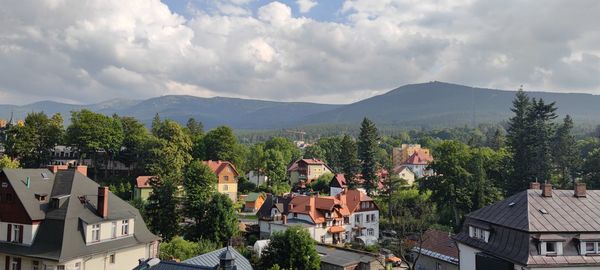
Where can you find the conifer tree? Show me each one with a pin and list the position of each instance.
(367, 148)
(565, 154)
(162, 211)
(518, 139)
(349, 160)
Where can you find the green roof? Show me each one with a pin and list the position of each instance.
(252, 197)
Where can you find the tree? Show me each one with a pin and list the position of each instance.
(518, 140)
(391, 186)
(349, 161)
(7, 163)
(591, 169)
(461, 181)
(169, 151)
(33, 142)
(221, 144)
(321, 185)
(220, 221)
(565, 153)
(194, 128)
(162, 208)
(286, 147)
(367, 148)
(135, 139)
(331, 147)
(497, 140)
(314, 151)
(257, 160)
(200, 183)
(275, 167)
(156, 124)
(412, 214)
(541, 131)
(292, 249)
(181, 249)
(93, 133)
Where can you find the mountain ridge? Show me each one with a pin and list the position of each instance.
(431, 104)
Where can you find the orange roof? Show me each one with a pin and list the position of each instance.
(336, 229)
(419, 157)
(219, 165)
(340, 206)
(143, 181)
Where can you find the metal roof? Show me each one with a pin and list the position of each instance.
(212, 259)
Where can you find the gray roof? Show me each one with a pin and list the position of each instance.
(169, 265)
(344, 257)
(281, 202)
(211, 259)
(60, 236)
(564, 212)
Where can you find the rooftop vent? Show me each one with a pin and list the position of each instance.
(543, 211)
(45, 176)
(511, 204)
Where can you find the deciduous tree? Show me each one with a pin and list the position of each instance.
(292, 249)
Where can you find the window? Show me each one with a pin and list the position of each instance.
(95, 232)
(113, 231)
(373, 218)
(111, 258)
(16, 233)
(125, 227)
(346, 220)
(479, 233)
(295, 215)
(357, 218)
(438, 266)
(60, 267)
(368, 218)
(225, 187)
(77, 266)
(370, 232)
(35, 265)
(590, 248)
(550, 247)
(15, 264)
(226, 178)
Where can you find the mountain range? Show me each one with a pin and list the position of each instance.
(433, 104)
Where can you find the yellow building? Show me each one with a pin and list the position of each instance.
(142, 189)
(227, 177)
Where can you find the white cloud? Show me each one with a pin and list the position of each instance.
(306, 5)
(93, 50)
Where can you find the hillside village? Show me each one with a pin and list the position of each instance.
(107, 193)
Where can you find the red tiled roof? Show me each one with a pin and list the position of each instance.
(419, 157)
(340, 206)
(219, 165)
(143, 181)
(440, 242)
(336, 229)
(341, 179)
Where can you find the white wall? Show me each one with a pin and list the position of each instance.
(467, 257)
(106, 230)
(29, 232)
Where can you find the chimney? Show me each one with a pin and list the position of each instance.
(56, 168)
(534, 185)
(547, 190)
(103, 202)
(82, 169)
(580, 190)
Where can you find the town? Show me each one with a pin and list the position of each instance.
(107, 193)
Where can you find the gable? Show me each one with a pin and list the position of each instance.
(11, 207)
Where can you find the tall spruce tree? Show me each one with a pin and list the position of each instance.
(367, 149)
(541, 131)
(348, 158)
(565, 153)
(518, 140)
(162, 209)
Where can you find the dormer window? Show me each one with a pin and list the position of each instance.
(590, 248)
(125, 227)
(550, 248)
(95, 232)
(479, 233)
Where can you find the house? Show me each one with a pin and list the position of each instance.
(253, 201)
(307, 170)
(339, 182)
(401, 154)
(350, 216)
(418, 163)
(58, 218)
(142, 188)
(226, 258)
(438, 251)
(274, 208)
(67, 155)
(257, 178)
(534, 229)
(227, 177)
(404, 172)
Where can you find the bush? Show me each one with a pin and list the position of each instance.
(181, 249)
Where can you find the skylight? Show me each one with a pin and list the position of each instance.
(511, 204)
(543, 211)
(45, 176)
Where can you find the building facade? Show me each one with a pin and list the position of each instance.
(227, 182)
(307, 170)
(60, 219)
(534, 229)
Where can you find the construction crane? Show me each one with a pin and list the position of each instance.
(298, 132)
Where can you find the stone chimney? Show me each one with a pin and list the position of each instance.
(82, 169)
(103, 202)
(580, 190)
(534, 185)
(547, 190)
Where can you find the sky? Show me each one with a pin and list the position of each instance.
(326, 51)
